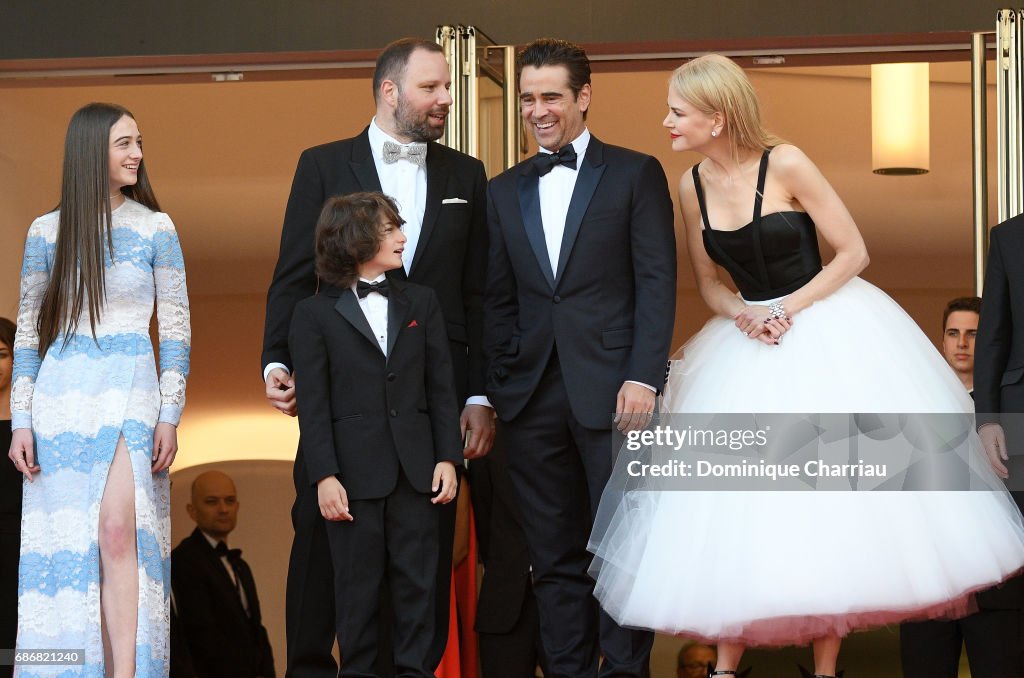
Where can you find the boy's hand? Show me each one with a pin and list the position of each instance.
(333, 499)
(446, 480)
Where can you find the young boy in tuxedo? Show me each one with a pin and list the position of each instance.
(380, 428)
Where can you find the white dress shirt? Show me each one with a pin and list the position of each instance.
(375, 308)
(231, 572)
(406, 182)
(555, 191)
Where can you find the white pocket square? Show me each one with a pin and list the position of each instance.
(454, 201)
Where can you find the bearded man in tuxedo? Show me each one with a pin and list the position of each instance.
(441, 195)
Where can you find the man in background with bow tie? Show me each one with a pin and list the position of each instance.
(214, 591)
(441, 196)
(578, 323)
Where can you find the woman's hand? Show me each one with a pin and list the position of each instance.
(22, 452)
(165, 446)
(757, 322)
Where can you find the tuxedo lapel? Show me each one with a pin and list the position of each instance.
(362, 164)
(348, 306)
(437, 177)
(398, 310)
(590, 171)
(529, 206)
(218, 567)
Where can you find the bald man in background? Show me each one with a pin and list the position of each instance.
(214, 590)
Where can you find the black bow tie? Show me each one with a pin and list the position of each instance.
(363, 288)
(222, 550)
(545, 162)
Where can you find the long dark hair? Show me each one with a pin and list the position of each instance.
(7, 332)
(84, 227)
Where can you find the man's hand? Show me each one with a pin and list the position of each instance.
(634, 407)
(281, 391)
(477, 422)
(994, 439)
(333, 499)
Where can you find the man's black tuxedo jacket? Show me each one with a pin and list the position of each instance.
(362, 415)
(223, 641)
(999, 348)
(450, 257)
(999, 366)
(608, 309)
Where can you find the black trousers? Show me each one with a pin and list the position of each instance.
(994, 640)
(559, 470)
(309, 595)
(395, 540)
(517, 652)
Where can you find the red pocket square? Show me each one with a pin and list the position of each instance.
(413, 324)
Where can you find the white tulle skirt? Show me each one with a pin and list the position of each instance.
(780, 568)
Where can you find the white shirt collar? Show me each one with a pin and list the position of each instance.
(213, 542)
(580, 143)
(377, 138)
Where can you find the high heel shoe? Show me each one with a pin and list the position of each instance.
(804, 673)
(728, 672)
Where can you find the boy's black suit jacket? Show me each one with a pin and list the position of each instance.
(363, 415)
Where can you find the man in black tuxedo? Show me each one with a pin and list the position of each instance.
(578, 321)
(999, 402)
(931, 649)
(442, 200)
(214, 591)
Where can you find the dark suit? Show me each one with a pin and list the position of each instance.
(560, 343)
(450, 258)
(999, 390)
(224, 641)
(380, 424)
(506, 613)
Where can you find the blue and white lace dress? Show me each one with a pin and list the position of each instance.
(79, 400)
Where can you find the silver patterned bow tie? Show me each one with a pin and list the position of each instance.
(415, 153)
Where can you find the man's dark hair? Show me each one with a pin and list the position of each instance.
(972, 304)
(551, 52)
(349, 233)
(392, 61)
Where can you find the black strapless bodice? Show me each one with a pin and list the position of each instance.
(772, 256)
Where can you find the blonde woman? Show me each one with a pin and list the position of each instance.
(783, 568)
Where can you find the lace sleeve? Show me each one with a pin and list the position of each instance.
(173, 322)
(35, 276)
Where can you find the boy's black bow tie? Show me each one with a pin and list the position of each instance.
(363, 288)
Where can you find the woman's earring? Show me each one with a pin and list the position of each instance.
(714, 132)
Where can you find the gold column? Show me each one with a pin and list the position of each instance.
(1008, 97)
(513, 138)
(447, 38)
(979, 140)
